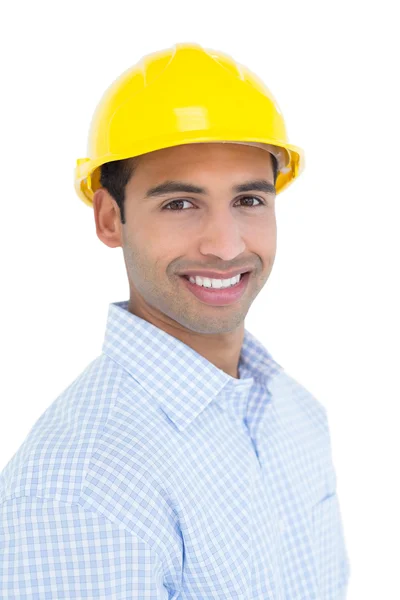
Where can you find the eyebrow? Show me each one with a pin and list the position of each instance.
(261, 185)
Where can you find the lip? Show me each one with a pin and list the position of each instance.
(214, 274)
(218, 296)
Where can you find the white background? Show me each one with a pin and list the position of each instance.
(329, 312)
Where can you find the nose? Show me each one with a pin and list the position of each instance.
(222, 236)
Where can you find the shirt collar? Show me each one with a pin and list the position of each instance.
(181, 380)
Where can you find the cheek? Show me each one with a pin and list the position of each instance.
(261, 235)
(166, 244)
(163, 234)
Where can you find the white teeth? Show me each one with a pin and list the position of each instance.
(215, 283)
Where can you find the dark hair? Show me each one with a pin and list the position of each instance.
(116, 174)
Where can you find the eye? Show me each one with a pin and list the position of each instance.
(166, 207)
(262, 203)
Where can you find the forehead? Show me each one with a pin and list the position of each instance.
(203, 169)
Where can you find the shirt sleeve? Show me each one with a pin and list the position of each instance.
(51, 550)
(331, 556)
(333, 561)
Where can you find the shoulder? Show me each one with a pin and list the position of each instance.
(99, 446)
(56, 453)
(294, 400)
(305, 420)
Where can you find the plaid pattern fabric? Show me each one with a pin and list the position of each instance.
(156, 475)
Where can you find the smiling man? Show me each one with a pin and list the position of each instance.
(199, 241)
(183, 462)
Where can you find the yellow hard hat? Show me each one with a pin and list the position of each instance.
(181, 95)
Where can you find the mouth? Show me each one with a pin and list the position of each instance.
(218, 296)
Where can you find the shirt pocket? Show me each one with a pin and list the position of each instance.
(332, 562)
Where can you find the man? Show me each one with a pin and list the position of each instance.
(184, 462)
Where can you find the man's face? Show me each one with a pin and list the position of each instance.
(219, 230)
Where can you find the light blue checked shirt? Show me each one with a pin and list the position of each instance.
(156, 475)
